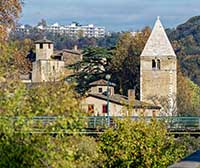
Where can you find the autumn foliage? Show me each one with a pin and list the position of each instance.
(9, 12)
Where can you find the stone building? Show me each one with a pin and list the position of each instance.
(69, 56)
(158, 71)
(46, 69)
(95, 102)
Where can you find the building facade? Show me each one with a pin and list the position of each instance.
(46, 69)
(72, 30)
(95, 103)
(158, 71)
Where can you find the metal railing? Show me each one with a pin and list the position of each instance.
(100, 123)
(171, 122)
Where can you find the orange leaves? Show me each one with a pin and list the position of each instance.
(9, 12)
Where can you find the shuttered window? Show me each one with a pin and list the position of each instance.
(90, 108)
(104, 108)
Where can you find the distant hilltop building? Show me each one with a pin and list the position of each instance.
(72, 30)
(158, 69)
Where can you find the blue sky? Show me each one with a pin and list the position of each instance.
(115, 15)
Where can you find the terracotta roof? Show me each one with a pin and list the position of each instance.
(78, 52)
(101, 82)
(123, 100)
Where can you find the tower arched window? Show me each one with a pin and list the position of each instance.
(158, 64)
(153, 64)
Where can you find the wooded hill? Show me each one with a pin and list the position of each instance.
(186, 41)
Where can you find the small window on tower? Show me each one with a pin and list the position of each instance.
(153, 64)
(158, 64)
(41, 46)
(49, 45)
(100, 90)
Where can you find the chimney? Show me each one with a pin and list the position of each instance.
(131, 96)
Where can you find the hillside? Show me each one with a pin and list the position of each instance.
(186, 41)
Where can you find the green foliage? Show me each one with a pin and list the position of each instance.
(95, 65)
(140, 144)
(195, 95)
(62, 41)
(126, 61)
(185, 39)
(26, 142)
(188, 96)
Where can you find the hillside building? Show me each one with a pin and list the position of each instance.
(72, 30)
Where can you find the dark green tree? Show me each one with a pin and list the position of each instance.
(94, 65)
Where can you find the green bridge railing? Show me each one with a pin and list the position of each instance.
(100, 123)
(171, 122)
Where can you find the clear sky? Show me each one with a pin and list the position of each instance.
(115, 15)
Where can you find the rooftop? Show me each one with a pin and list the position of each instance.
(158, 43)
(101, 82)
(123, 100)
(44, 40)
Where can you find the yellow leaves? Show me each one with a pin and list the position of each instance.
(139, 144)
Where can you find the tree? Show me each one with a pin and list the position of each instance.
(43, 23)
(95, 65)
(9, 12)
(139, 144)
(188, 100)
(34, 143)
(126, 60)
(21, 59)
(15, 59)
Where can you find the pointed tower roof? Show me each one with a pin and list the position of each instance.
(158, 43)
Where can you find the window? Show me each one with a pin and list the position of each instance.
(158, 64)
(153, 64)
(100, 90)
(49, 45)
(154, 114)
(104, 108)
(90, 108)
(41, 46)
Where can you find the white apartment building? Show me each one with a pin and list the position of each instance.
(73, 30)
(22, 29)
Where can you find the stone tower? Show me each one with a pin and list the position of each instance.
(44, 49)
(158, 70)
(45, 68)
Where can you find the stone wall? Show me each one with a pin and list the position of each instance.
(158, 83)
(47, 70)
(46, 52)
